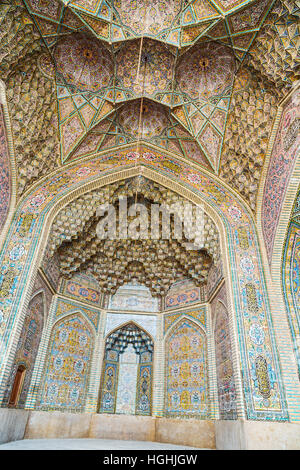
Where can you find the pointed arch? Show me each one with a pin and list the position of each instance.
(76, 311)
(278, 190)
(231, 215)
(126, 383)
(183, 316)
(227, 396)
(220, 305)
(128, 322)
(186, 374)
(280, 177)
(27, 350)
(36, 293)
(17, 386)
(69, 355)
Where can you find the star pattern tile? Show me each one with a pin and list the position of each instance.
(97, 68)
(196, 70)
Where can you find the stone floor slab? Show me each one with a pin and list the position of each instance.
(89, 444)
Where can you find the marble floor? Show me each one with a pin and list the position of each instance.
(89, 444)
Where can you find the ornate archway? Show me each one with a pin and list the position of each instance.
(27, 238)
(26, 352)
(126, 385)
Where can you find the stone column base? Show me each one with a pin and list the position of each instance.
(257, 435)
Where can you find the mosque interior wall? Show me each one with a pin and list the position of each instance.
(150, 339)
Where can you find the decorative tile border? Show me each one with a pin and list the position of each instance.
(273, 273)
(5, 177)
(80, 288)
(291, 284)
(284, 154)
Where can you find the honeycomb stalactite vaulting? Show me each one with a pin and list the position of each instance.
(31, 98)
(74, 80)
(32, 103)
(253, 108)
(275, 53)
(156, 263)
(18, 35)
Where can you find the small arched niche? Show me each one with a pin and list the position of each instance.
(126, 385)
(186, 372)
(17, 386)
(26, 353)
(66, 372)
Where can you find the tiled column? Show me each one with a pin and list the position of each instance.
(158, 380)
(96, 368)
(212, 372)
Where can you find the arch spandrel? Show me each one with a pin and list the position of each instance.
(179, 317)
(81, 314)
(37, 210)
(135, 323)
(66, 307)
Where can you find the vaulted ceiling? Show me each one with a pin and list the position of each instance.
(74, 241)
(199, 78)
